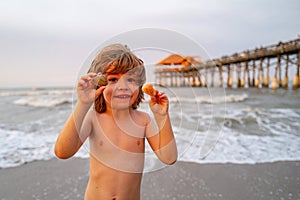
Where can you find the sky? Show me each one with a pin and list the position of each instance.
(44, 43)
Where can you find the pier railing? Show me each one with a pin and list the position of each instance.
(250, 68)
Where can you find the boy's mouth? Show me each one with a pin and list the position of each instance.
(122, 96)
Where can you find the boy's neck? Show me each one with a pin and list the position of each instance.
(119, 113)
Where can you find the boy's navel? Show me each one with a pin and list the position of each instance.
(101, 143)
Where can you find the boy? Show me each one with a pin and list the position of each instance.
(115, 128)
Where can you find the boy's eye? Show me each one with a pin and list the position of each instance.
(113, 80)
(131, 80)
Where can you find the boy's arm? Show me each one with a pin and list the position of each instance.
(72, 136)
(162, 142)
(78, 126)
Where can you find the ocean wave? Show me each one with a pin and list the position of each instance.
(234, 147)
(18, 147)
(42, 102)
(35, 92)
(250, 131)
(211, 100)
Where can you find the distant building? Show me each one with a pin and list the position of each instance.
(177, 60)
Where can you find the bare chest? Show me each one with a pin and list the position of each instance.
(125, 135)
(117, 148)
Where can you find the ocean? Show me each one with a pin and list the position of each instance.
(211, 125)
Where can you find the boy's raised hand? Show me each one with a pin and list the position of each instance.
(86, 89)
(159, 103)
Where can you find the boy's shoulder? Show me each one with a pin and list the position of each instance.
(142, 113)
(143, 116)
(93, 114)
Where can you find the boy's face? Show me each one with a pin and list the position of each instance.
(121, 91)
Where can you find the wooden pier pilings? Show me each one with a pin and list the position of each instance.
(251, 68)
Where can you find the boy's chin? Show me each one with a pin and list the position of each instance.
(121, 106)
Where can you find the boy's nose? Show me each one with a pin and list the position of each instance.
(122, 84)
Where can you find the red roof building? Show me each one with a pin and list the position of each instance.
(176, 59)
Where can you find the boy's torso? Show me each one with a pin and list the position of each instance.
(108, 183)
(116, 157)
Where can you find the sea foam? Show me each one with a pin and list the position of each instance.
(42, 102)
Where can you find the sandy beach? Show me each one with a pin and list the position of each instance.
(58, 179)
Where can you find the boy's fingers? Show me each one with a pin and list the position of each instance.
(99, 91)
(88, 76)
(81, 83)
(92, 74)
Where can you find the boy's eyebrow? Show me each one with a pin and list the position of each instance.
(129, 74)
(113, 74)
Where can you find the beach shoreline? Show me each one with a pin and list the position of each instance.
(67, 179)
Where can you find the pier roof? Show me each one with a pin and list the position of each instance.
(176, 59)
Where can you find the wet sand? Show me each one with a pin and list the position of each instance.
(67, 179)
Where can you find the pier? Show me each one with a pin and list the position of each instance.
(268, 66)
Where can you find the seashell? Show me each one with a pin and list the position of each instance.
(100, 80)
(148, 89)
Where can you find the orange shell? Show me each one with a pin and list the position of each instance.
(148, 89)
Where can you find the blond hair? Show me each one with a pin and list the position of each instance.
(118, 59)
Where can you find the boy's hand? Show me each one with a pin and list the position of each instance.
(86, 89)
(159, 103)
